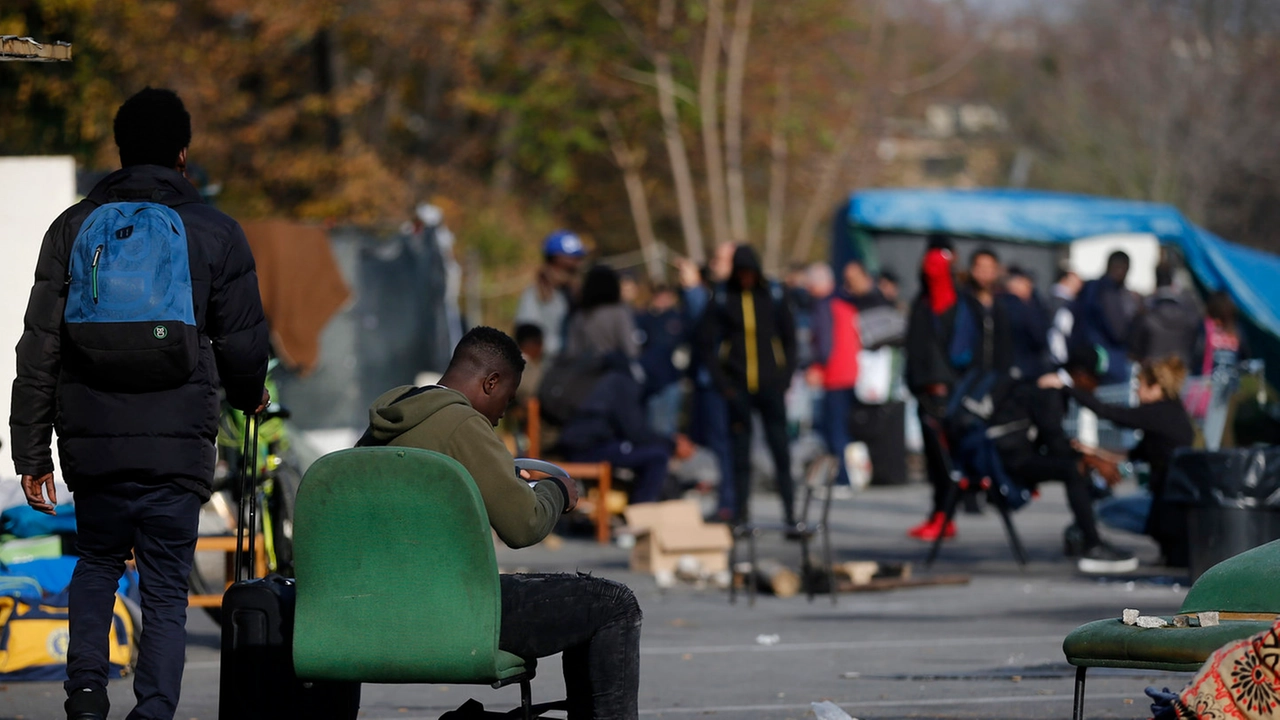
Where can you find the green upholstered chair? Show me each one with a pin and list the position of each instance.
(1245, 589)
(396, 576)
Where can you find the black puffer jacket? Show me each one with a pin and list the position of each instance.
(168, 434)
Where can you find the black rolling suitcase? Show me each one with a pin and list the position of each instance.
(257, 680)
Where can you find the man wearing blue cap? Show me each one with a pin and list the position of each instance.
(546, 302)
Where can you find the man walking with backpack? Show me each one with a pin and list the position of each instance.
(145, 301)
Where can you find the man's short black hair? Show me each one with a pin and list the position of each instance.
(151, 128)
(889, 276)
(1116, 259)
(528, 332)
(1020, 271)
(938, 241)
(486, 350)
(1164, 275)
(1089, 359)
(987, 251)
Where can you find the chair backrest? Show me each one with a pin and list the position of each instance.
(396, 576)
(1246, 583)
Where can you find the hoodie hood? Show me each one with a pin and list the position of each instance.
(745, 258)
(400, 410)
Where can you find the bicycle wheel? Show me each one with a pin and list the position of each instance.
(284, 495)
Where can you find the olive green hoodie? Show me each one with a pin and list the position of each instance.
(441, 419)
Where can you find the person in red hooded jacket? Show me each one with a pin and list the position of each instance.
(929, 374)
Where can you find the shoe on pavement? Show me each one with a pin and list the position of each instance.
(87, 704)
(929, 529)
(1106, 558)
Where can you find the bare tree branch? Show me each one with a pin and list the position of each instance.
(683, 93)
(708, 105)
(629, 28)
(820, 200)
(629, 161)
(943, 72)
(777, 177)
(686, 199)
(735, 77)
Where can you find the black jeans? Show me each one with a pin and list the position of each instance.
(1031, 470)
(158, 523)
(773, 414)
(594, 622)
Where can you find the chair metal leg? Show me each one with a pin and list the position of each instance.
(526, 700)
(949, 512)
(829, 562)
(806, 567)
(827, 557)
(1077, 712)
(733, 565)
(1015, 542)
(752, 581)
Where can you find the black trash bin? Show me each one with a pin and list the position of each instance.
(883, 429)
(1232, 499)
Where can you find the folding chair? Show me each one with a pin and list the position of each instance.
(819, 477)
(962, 485)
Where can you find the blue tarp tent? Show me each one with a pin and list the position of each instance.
(1041, 218)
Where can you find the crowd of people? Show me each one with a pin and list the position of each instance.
(700, 365)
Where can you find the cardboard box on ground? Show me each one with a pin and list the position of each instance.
(667, 531)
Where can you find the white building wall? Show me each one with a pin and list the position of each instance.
(33, 192)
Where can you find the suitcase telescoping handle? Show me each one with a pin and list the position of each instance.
(542, 466)
(248, 494)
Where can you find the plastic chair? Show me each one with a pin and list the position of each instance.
(396, 575)
(1244, 590)
(818, 480)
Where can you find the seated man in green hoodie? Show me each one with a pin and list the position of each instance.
(593, 621)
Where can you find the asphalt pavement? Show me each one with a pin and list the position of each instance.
(987, 649)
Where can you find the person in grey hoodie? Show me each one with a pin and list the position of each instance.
(593, 621)
(1170, 324)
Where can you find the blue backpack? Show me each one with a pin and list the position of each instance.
(972, 412)
(130, 317)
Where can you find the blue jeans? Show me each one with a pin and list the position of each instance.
(664, 410)
(1128, 513)
(156, 523)
(835, 427)
(709, 427)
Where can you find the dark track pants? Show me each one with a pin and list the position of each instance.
(773, 414)
(158, 523)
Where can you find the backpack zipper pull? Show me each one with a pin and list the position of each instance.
(97, 255)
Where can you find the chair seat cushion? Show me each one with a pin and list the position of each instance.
(1111, 643)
